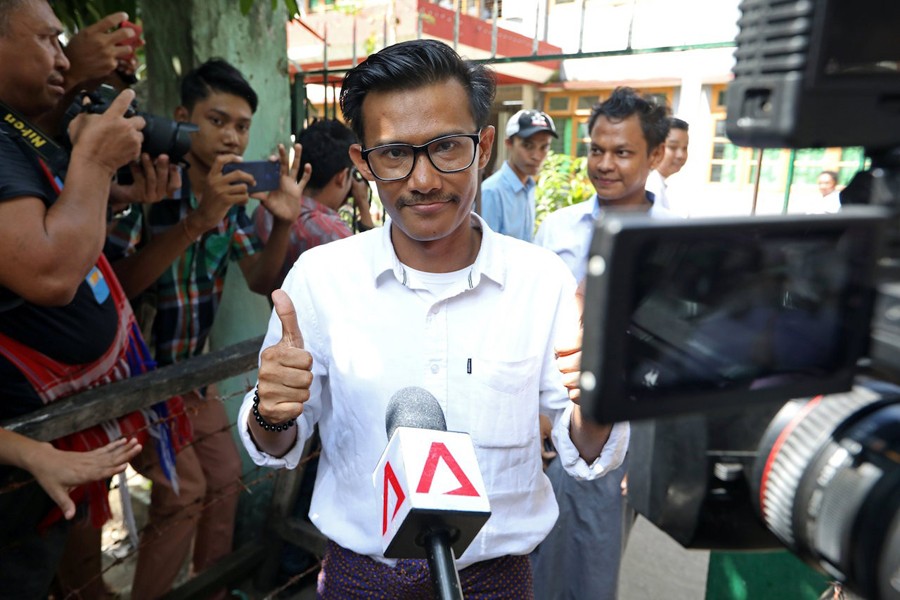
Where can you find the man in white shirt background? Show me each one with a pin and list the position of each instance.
(831, 197)
(676, 154)
(507, 196)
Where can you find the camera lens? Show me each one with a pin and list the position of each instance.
(164, 136)
(828, 477)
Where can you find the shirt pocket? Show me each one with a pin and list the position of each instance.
(504, 398)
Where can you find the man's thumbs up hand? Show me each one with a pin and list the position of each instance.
(284, 368)
(290, 330)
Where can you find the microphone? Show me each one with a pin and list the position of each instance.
(433, 497)
(413, 407)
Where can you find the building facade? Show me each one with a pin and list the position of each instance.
(563, 56)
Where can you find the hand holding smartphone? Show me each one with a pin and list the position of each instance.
(135, 42)
(267, 174)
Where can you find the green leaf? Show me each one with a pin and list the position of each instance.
(562, 182)
(292, 7)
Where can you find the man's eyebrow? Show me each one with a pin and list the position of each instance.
(406, 143)
(223, 113)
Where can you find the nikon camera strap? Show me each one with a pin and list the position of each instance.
(54, 157)
(17, 127)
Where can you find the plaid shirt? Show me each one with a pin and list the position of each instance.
(187, 294)
(316, 225)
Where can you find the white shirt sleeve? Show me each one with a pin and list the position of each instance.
(289, 460)
(611, 457)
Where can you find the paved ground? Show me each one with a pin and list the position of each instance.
(656, 567)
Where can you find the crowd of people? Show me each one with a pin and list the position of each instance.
(91, 294)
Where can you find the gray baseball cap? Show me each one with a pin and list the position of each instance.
(526, 123)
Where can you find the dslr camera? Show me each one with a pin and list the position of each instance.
(161, 135)
(757, 357)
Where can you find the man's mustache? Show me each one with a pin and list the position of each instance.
(417, 199)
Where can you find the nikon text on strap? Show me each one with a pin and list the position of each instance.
(43, 145)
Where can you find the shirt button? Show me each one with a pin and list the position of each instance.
(435, 368)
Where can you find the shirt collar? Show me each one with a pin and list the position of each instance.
(512, 180)
(596, 210)
(488, 263)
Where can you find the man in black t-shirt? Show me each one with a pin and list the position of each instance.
(60, 315)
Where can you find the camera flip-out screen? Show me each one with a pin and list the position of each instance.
(694, 315)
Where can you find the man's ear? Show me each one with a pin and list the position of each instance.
(486, 145)
(656, 156)
(340, 178)
(182, 114)
(359, 162)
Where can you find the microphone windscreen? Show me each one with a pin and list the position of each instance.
(414, 407)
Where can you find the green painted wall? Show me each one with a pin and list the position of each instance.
(181, 34)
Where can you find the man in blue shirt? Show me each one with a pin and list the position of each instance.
(507, 196)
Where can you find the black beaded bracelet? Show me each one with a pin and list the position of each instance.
(265, 424)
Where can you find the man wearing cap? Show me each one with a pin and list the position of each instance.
(507, 196)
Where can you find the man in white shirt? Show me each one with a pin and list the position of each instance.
(831, 197)
(580, 557)
(676, 154)
(507, 196)
(451, 296)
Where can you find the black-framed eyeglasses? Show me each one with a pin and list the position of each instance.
(448, 154)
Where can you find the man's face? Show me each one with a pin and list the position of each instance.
(618, 161)
(33, 64)
(826, 184)
(224, 122)
(428, 205)
(676, 152)
(526, 155)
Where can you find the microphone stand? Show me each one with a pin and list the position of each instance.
(442, 566)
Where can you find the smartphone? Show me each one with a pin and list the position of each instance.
(267, 174)
(135, 41)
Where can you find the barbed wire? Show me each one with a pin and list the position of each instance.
(273, 594)
(243, 483)
(189, 410)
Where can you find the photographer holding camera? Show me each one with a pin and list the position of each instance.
(64, 321)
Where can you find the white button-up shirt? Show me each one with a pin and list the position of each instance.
(372, 333)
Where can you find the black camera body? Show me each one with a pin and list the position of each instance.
(161, 135)
(754, 356)
(740, 349)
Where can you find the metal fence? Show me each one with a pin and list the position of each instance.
(258, 558)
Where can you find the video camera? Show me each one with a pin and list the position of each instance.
(161, 135)
(755, 355)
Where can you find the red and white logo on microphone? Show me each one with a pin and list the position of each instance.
(423, 470)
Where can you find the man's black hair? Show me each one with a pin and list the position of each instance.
(326, 146)
(410, 65)
(215, 75)
(624, 102)
(676, 123)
